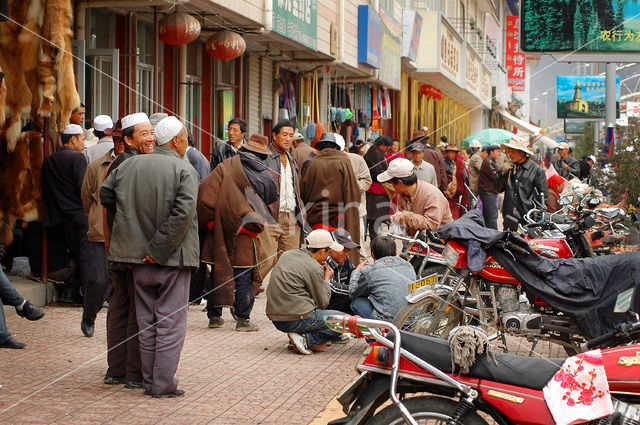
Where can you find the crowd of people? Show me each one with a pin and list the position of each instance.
(147, 223)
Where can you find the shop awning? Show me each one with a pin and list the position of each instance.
(518, 123)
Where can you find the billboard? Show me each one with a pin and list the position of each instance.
(583, 26)
(574, 127)
(583, 96)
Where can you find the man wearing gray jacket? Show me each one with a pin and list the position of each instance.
(156, 232)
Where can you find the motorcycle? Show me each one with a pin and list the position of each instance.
(402, 367)
(423, 250)
(492, 298)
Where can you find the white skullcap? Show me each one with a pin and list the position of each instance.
(167, 129)
(73, 129)
(340, 141)
(102, 122)
(133, 119)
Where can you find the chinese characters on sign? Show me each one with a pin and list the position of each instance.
(515, 59)
(297, 20)
(619, 35)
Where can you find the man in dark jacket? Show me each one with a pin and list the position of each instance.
(330, 189)
(157, 233)
(232, 207)
(567, 166)
(378, 203)
(62, 177)
(487, 186)
(522, 180)
(197, 159)
(289, 209)
(237, 132)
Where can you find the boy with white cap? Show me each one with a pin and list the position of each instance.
(62, 177)
(105, 142)
(299, 290)
(566, 165)
(156, 233)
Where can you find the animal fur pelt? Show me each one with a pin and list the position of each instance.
(20, 171)
(35, 53)
(3, 99)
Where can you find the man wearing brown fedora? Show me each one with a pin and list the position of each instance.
(233, 208)
(522, 180)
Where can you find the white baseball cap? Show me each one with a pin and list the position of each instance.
(321, 238)
(398, 168)
(563, 145)
(340, 141)
(102, 122)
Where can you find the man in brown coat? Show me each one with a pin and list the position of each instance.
(232, 206)
(330, 189)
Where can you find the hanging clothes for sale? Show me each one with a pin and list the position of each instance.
(375, 102)
(386, 105)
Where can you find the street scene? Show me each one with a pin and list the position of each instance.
(319, 212)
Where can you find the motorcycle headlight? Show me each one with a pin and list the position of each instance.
(450, 255)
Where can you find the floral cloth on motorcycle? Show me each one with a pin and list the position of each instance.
(579, 392)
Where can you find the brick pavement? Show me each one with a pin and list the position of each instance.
(229, 377)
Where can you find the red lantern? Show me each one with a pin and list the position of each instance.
(431, 91)
(226, 45)
(178, 29)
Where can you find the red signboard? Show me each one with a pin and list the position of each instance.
(515, 59)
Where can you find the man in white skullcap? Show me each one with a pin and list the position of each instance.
(105, 142)
(123, 355)
(156, 233)
(62, 177)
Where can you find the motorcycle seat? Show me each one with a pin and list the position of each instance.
(529, 372)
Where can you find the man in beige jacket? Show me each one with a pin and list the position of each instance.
(421, 205)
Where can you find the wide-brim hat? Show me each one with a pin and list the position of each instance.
(328, 137)
(116, 131)
(419, 135)
(452, 148)
(257, 143)
(518, 144)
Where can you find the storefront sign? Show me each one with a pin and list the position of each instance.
(297, 20)
(515, 60)
(411, 30)
(369, 36)
(225, 107)
(593, 26)
(472, 77)
(632, 109)
(583, 96)
(390, 56)
(486, 85)
(450, 53)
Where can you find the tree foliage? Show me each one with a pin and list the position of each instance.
(625, 166)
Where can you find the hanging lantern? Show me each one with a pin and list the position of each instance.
(178, 29)
(226, 45)
(431, 91)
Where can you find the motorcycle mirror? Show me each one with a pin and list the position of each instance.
(623, 302)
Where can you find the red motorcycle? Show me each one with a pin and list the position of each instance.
(402, 367)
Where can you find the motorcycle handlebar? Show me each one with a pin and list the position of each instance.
(623, 331)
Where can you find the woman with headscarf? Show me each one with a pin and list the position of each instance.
(556, 185)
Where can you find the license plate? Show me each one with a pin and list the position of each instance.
(429, 280)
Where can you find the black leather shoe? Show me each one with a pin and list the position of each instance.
(30, 311)
(133, 385)
(114, 380)
(175, 393)
(87, 329)
(12, 343)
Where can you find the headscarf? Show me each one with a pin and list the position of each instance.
(554, 181)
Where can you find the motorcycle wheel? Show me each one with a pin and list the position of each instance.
(418, 317)
(425, 410)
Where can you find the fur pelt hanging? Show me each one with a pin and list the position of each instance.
(35, 53)
(20, 172)
(3, 99)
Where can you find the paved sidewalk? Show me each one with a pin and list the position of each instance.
(229, 377)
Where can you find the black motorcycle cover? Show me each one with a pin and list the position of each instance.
(586, 288)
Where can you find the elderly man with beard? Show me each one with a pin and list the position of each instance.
(330, 189)
(156, 232)
(123, 355)
(232, 207)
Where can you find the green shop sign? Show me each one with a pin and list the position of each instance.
(297, 20)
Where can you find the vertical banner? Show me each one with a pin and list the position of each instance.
(225, 109)
(515, 59)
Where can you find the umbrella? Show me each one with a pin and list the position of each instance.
(488, 136)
